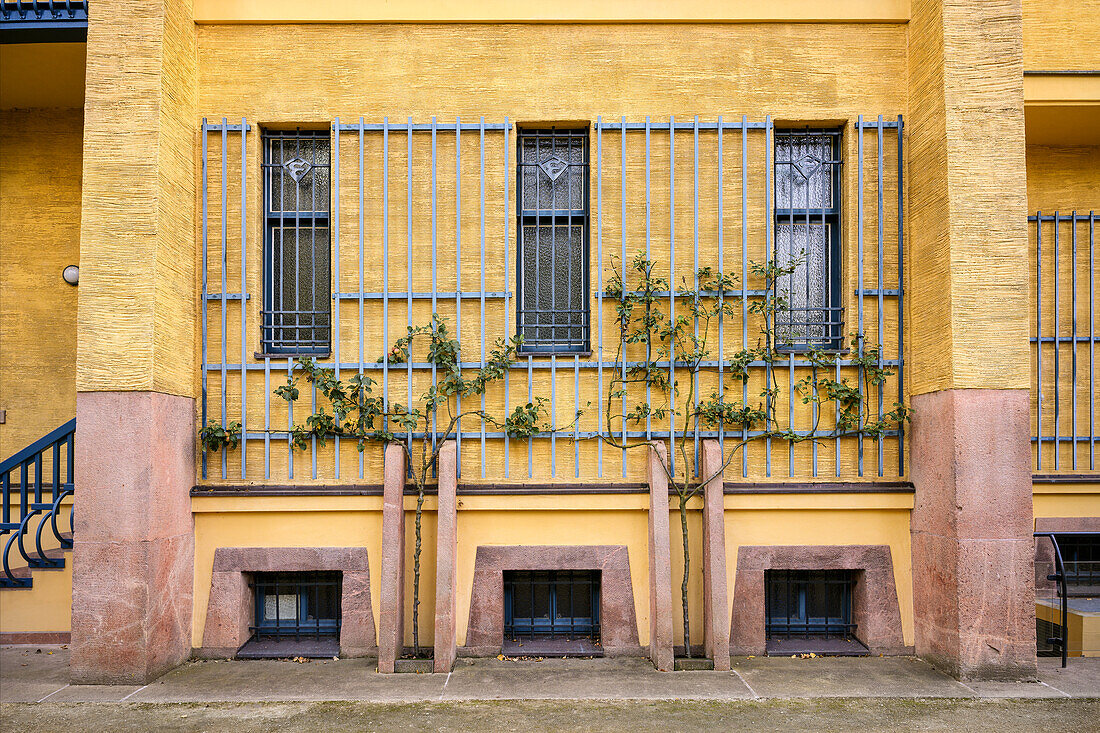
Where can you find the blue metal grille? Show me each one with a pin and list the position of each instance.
(551, 604)
(632, 165)
(297, 604)
(809, 603)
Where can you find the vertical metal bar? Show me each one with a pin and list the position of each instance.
(1092, 342)
(205, 288)
(648, 357)
(458, 281)
(721, 354)
(507, 290)
(695, 275)
(745, 277)
(599, 294)
(313, 290)
(435, 272)
(1073, 336)
(530, 398)
(576, 406)
(881, 284)
(1057, 346)
(409, 262)
(244, 299)
(1039, 339)
(553, 414)
(481, 143)
(334, 229)
(224, 300)
(672, 291)
(901, 296)
(769, 173)
(859, 287)
(385, 267)
(622, 263)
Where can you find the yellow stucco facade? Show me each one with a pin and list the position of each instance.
(134, 324)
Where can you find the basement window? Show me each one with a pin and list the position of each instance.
(552, 612)
(297, 614)
(810, 611)
(1081, 557)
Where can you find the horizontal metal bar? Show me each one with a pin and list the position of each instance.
(230, 128)
(548, 365)
(579, 435)
(227, 296)
(404, 295)
(422, 127)
(1063, 439)
(886, 293)
(1080, 216)
(1064, 339)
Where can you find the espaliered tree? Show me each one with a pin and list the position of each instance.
(649, 328)
(361, 414)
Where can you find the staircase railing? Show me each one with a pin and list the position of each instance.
(28, 494)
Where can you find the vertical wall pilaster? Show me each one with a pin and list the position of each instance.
(716, 615)
(446, 559)
(660, 561)
(136, 375)
(391, 621)
(968, 368)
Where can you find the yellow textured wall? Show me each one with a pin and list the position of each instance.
(1063, 179)
(1061, 35)
(347, 71)
(967, 197)
(137, 299)
(40, 152)
(1067, 500)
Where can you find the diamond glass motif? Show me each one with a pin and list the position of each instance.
(297, 168)
(554, 167)
(807, 165)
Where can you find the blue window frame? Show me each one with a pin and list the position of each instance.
(809, 603)
(807, 237)
(297, 312)
(552, 604)
(297, 604)
(552, 236)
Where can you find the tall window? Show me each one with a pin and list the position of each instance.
(297, 292)
(807, 236)
(553, 240)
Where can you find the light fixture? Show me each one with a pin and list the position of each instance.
(71, 274)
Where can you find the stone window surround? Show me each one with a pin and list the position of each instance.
(875, 607)
(229, 611)
(618, 621)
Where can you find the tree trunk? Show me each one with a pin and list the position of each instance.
(687, 568)
(416, 571)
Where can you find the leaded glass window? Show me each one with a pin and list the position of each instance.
(807, 237)
(552, 234)
(297, 254)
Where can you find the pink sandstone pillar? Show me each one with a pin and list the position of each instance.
(391, 621)
(446, 559)
(973, 554)
(716, 621)
(660, 562)
(133, 558)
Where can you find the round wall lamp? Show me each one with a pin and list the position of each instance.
(71, 274)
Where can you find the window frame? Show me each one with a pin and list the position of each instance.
(804, 625)
(314, 220)
(831, 218)
(535, 627)
(298, 583)
(555, 218)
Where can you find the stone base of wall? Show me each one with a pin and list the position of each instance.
(230, 609)
(875, 607)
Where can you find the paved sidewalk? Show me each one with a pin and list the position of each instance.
(40, 674)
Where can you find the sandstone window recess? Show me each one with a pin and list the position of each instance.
(807, 233)
(295, 614)
(552, 236)
(810, 611)
(296, 316)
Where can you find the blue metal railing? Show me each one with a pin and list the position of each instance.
(30, 495)
(43, 21)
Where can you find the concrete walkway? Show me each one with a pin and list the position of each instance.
(31, 674)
